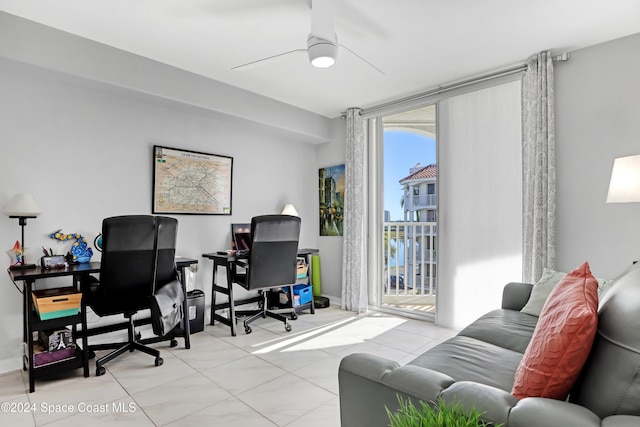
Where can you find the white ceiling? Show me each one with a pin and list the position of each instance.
(418, 44)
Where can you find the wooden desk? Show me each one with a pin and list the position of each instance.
(228, 262)
(32, 322)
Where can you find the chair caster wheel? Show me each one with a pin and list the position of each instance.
(91, 354)
(173, 343)
(287, 327)
(247, 329)
(159, 361)
(100, 370)
(294, 316)
(138, 336)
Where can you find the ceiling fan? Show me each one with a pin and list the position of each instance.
(322, 41)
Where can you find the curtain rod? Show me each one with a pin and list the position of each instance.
(458, 85)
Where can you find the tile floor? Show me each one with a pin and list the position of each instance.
(264, 379)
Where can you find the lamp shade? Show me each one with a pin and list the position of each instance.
(289, 209)
(624, 186)
(22, 205)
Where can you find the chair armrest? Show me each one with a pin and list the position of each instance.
(242, 263)
(541, 412)
(238, 271)
(515, 295)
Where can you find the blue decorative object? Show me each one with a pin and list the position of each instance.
(80, 251)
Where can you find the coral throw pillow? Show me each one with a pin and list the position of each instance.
(562, 339)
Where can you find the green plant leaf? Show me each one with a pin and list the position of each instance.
(434, 414)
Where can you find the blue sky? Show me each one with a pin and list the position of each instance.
(402, 151)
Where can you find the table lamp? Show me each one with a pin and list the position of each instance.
(22, 206)
(624, 186)
(289, 209)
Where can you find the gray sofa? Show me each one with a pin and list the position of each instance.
(477, 368)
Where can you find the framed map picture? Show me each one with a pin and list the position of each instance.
(190, 182)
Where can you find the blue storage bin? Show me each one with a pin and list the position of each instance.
(302, 294)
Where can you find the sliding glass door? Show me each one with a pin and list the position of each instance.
(447, 203)
(409, 229)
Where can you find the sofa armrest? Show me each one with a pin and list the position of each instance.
(621, 421)
(369, 384)
(493, 403)
(418, 382)
(515, 295)
(541, 412)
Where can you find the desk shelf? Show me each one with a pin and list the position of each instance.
(54, 367)
(306, 254)
(58, 322)
(80, 358)
(32, 322)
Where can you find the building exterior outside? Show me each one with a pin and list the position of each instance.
(416, 234)
(420, 200)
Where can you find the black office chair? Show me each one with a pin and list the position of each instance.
(271, 263)
(138, 255)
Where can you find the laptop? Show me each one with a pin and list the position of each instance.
(241, 235)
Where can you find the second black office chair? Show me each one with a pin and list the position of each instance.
(271, 263)
(138, 254)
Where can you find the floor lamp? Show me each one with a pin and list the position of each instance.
(22, 206)
(624, 186)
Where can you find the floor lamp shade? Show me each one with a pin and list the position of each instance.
(624, 186)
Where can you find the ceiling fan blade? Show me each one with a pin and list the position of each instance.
(237, 7)
(268, 58)
(364, 60)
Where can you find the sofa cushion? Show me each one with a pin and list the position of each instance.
(541, 291)
(610, 380)
(468, 359)
(562, 339)
(508, 329)
(543, 287)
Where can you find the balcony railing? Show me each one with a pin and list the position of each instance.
(421, 201)
(410, 258)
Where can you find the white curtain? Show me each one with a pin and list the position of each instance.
(354, 258)
(538, 167)
(479, 201)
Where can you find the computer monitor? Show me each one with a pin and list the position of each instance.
(241, 235)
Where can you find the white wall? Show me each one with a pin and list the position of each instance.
(331, 154)
(84, 151)
(597, 119)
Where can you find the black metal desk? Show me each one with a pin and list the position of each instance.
(32, 322)
(228, 262)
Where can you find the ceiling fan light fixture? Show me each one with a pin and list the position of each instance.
(322, 53)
